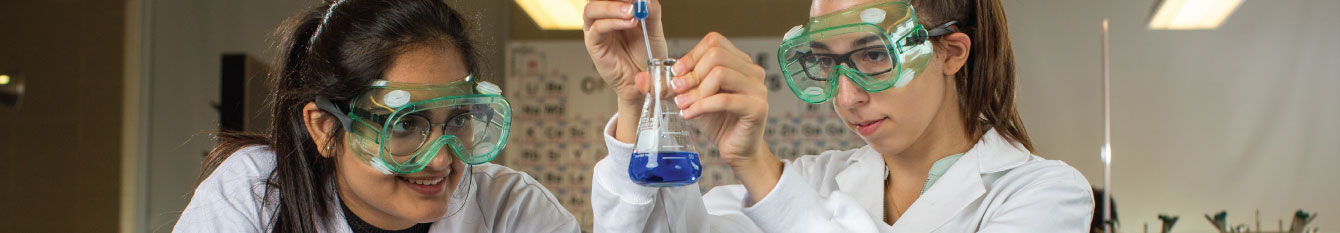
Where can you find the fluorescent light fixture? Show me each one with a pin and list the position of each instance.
(555, 14)
(1192, 14)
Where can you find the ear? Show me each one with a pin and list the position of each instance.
(956, 48)
(320, 126)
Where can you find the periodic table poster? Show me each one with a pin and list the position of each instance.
(561, 105)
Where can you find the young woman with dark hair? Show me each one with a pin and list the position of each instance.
(379, 125)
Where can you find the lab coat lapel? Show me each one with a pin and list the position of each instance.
(962, 184)
(862, 180)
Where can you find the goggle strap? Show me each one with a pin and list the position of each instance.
(920, 36)
(345, 120)
(941, 30)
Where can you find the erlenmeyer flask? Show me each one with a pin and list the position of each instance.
(664, 154)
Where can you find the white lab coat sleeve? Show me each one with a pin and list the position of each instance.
(229, 200)
(619, 205)
(529, 207)
(1060, 201)
(795, 206)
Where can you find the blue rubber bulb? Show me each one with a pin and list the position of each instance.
(640, 9)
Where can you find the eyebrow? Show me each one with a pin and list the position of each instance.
(439, 112)
(863, 41)
(818, 45)
(857, 43)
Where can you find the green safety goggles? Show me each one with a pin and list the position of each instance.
(401, 127)
(877, 45)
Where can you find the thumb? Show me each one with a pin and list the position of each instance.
(641, 81)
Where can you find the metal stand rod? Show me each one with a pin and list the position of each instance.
(1107, 139)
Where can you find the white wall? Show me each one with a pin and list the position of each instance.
(186, 41)
(1238, 119)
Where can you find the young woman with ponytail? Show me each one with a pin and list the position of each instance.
(928, 84)
(379, 125)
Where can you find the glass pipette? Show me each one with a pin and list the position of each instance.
(641, 11)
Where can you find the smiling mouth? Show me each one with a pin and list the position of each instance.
(425, 182)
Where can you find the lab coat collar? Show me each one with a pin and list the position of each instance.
(960, 186)
(996, 154)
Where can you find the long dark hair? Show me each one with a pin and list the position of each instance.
(986, 83)
(333, 51)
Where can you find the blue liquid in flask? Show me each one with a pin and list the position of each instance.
(671, 169)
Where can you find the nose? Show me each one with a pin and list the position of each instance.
(850, 95)
(442, 160)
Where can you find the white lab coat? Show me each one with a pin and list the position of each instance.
(502, 200)
(997, 186)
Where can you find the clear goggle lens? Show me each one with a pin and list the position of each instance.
(402, 127)
(876, 45)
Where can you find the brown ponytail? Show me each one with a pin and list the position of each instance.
(986, 83)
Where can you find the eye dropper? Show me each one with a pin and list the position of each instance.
(641, 12)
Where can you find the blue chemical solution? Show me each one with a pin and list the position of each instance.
(640, 9)
(672, 169)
